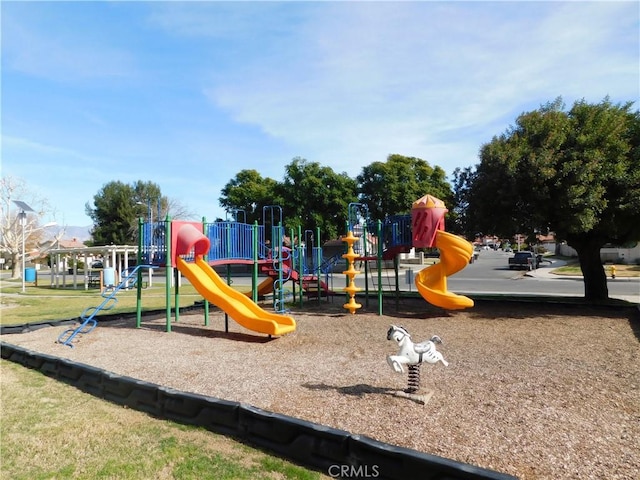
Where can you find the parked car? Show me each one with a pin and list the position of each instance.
(525, 259)
(97, 264)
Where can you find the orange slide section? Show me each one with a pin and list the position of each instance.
(431, 281)
(266, 286)
(241, 308)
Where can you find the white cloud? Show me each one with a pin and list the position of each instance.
(225, 86)
(394, 77)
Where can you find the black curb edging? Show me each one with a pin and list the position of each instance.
(313, 445)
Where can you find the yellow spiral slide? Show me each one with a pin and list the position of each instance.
(239, 307)
(431, 281)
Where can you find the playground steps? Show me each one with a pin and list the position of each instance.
(87, 317)
(309, 282)
(310, 287)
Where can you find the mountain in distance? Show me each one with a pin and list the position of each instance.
(81, 234)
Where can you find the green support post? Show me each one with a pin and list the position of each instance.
(254, 275)
(206, 259)
(379, 265)
(176, 274)
(294, 266)
(226, 315)
(395, 271)
(227, 255)
(139, 277)
(301, 263)
(293, 263)
(168, 268)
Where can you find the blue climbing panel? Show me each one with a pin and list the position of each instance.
(87, 318)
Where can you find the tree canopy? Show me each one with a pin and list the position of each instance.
(116, 209)
(310, 195)
(574, 172)
(316, 196)
(391, 187)
(248, 192)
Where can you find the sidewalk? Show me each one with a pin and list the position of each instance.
(547, 273)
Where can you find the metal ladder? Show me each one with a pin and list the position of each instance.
(87, 320)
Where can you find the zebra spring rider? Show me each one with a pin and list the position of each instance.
(413, 355)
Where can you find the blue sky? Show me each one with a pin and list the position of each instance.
(188, 94)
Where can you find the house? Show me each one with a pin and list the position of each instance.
(609, 253)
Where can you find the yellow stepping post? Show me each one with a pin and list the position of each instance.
(351, 272)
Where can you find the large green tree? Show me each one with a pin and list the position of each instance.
(117, 207)
(316, 197)
(575, 172)
(246, 195)
(391, 187)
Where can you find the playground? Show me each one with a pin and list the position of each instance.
(536, 391)
(528, 389)
(192, 249)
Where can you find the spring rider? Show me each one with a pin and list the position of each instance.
(413, 355)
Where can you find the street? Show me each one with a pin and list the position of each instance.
(490, 274)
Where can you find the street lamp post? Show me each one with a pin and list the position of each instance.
(149, 212)
(23, 223)
(24, 208)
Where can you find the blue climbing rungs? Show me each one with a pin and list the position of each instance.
(87, 320)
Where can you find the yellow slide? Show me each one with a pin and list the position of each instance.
(241, 308)
(431, 281)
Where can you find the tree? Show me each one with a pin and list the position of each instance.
(248, 192)
(311, 196)
(462, 179)
(117, 207)
(314, 196)
(14, 229)
(391, 187)
(574, 172)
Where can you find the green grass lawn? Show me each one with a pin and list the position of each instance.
(43, 303)
(573, 269)
(52, 430)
